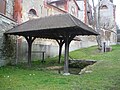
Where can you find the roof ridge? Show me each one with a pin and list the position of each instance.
(71, 17)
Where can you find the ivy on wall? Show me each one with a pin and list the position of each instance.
(9, 49)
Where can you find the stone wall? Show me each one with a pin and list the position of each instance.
(9, 8)
(51, 47)
(5, 24)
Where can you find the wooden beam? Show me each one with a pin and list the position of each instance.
(30, 41)
(71, 38)
(60, 43)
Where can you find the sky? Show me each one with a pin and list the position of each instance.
(117, 3)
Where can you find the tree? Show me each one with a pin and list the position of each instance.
(96, 24)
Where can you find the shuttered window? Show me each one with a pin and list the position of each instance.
(2, 6)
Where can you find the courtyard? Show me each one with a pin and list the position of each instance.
(104, 75)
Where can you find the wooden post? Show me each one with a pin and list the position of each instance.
(30, 41)
(67, 41)
(66, 57)
(29, 50)
(16, 50)
(43, 57)
(60, 51)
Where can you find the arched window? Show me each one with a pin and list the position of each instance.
(32, 14)
(103, 7)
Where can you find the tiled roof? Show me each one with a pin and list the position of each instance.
(49, 26)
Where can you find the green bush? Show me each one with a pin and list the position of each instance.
(8, 48)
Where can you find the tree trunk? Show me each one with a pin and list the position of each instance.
(96, 24)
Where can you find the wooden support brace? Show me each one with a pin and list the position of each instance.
(60, 43)
(30, 41)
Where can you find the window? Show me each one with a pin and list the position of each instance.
(32, 14)
(103, 7)
(2, 6)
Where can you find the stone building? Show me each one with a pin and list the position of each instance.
(24, 10)
(6, 22)
(31, 9)
(20, 11)
(106, 20)
(85, 12)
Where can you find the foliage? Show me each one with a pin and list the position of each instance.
(8, 48)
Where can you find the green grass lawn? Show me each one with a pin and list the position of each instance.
(105, 73)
